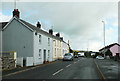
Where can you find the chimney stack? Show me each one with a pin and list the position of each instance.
(51, 31)
(38, 25)
(58, 34)
(16, 13)
(61, 38)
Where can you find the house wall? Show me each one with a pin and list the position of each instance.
(65, 48)
(56, 49)
(16, 37)
(59, 49)
(39, 57)
(115, 49)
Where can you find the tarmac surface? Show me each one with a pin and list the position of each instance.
(80, 69)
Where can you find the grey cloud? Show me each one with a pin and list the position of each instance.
(77, 20)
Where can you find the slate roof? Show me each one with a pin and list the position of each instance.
(39, 30)
(2, 24)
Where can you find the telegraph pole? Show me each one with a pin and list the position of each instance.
(14, 4)
(104, 36)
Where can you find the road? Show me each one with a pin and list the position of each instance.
(80, 68)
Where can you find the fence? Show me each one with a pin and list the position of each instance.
(8, 60)
(19, 61)
(26, 61)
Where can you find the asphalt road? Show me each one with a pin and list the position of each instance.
(109, 68)
(80, 68)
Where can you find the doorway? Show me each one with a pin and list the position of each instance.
(44, 56)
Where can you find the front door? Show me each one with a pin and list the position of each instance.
(44, 56)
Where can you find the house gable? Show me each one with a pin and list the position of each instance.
(17, 37)
(18, 20)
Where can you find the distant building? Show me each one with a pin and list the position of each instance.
(111, 50)
(59, 47)
(32, 44)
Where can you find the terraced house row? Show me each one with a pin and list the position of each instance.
(33, 45)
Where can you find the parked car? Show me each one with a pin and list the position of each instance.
(68, 56)
(76, 56)
(80, 55)
(99, 57)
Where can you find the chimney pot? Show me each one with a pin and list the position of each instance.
(61, 38)
(58, 34)
(51, 31)
(16, 13)
(38, 25)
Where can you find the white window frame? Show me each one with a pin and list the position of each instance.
(48, 54)
(40, 39)
(48, 41)
(40, 53)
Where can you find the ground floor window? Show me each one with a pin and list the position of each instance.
(39, 53)
(48, 54)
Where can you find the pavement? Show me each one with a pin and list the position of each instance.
(110, 69)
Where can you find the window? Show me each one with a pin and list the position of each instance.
(40, 53)
(48, 54)
(48, 41)
(55, 42)
(55, 51)
(40, 39)
(35, 33)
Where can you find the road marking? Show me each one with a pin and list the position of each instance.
(102, 76)
(57, 72)
(68, 65)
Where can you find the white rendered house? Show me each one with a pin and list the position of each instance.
(30, 42)
(33, 45)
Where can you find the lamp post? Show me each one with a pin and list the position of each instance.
(87, 46)
(104, 36)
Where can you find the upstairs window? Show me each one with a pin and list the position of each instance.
(39, 53)
(40, 39)
(48, 41)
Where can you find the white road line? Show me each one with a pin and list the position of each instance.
(57, 72)
(102, 75)
(68, 65)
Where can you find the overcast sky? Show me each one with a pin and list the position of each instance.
(79, 22)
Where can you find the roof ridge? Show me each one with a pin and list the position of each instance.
(38, 29)
(110, 45)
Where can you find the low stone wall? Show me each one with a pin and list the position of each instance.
(8, 63)
(8, 60)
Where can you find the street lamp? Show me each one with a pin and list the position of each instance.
(104, 36)
(87, 46)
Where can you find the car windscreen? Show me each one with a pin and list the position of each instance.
(68, 54)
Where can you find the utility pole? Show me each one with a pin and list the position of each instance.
(104, 36)
(15, 4)
(87, 46)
